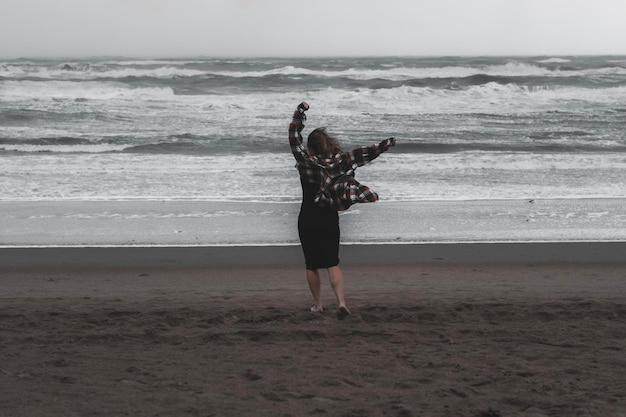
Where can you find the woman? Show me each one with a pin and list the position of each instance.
(328, 186)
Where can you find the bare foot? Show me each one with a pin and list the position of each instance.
(317, 309)
(343, 311)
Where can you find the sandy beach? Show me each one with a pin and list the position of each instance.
(501, 334)
(183, 308)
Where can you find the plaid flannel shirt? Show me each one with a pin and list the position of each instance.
(335, 176)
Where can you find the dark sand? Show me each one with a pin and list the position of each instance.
(459, 330)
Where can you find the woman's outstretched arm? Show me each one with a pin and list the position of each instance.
(295, 136)
(349, 161)
(363, 155)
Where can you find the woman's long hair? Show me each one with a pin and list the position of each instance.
(321, 144)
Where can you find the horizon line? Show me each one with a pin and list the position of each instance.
(311, 56)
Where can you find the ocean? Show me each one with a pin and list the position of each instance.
(208, 129)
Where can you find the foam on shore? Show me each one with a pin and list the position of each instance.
(201, 223)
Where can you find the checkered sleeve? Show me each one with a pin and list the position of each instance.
(340, 189)
(298, 149)
(349, 161)
(363, 155)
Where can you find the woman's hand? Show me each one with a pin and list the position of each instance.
(299, 113)
(387, 143)
(299, 117)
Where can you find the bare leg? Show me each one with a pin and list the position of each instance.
(315, 285)
(336, 282)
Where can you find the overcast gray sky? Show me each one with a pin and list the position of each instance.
(161, 28)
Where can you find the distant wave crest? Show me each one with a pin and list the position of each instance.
(27, 90)
(163, 70)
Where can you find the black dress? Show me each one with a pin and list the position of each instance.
(318, 228)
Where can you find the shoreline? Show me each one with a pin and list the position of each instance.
(195, 233)
(202, 223)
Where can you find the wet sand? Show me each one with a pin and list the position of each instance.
(206, 223)
(166, 334)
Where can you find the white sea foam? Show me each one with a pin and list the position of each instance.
(511, 69)
(404, 73)
(272, 177)
(150, 62)
(489, 98)
(554, 61)
(88, 72)
(93, 148)
(170, 69)
(162, 72)
(93, 90)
